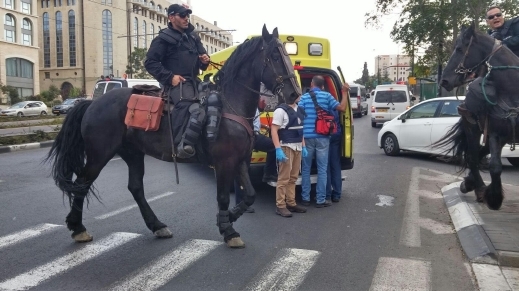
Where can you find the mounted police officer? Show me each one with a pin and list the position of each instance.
(174, 58)
(505, 31)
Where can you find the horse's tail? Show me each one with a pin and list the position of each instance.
(455, 141)
(67, 154)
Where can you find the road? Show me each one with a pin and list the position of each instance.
(391, 231)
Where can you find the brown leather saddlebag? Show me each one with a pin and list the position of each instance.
(144, 112)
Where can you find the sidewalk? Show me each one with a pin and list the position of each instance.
(489, 238)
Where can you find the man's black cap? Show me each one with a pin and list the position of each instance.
(175, 8)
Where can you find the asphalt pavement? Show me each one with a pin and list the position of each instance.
(390, 231)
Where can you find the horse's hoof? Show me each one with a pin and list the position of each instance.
(83, 237)
(480, 195)
(463, 189)
(235, 243)
(163, 233)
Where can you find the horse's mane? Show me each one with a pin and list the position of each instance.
(228, 74)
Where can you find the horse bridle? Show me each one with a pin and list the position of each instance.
(461, 66)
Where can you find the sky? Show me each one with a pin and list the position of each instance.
(352, 43)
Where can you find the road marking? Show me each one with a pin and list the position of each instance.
(287, 272)
(490, 278)
(162, 270)
(435, 226)
(401, 274)
(26, 234)
(63, 264)
(410, 232)
(512, 276)
(385, 200)
(124, 209)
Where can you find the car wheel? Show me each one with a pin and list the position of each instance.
(373, 124)
(20, 114)
(43, 113)
(513, 161)
(390, 144)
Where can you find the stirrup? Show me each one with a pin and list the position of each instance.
(182, 154)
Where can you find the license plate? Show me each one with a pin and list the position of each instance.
(379, 116)
(55, 111)
(381, 110)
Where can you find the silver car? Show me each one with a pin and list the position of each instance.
(25, 108)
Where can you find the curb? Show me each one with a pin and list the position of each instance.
(27, 146)
(475, 242)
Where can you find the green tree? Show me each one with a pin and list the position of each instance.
(12, 92)
(136, 64)
(432, 25)
(51, 94)
(75, 92)
(365, 74)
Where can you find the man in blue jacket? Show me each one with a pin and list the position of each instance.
(505, 31)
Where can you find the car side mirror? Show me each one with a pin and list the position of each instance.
(367, 95)
(413, 98)
(402, 117)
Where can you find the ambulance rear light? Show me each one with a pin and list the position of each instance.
(297, 67)
(291, 48)
(315, 49)
(373, 109)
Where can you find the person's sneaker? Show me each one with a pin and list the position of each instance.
(283, 212)
(325, 204)
(305, 203)
(336, 200)
(250, 210)
(296, 209)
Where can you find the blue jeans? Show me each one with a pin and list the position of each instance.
(334, 178)
(320, 148)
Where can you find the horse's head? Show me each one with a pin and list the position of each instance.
(274, 68)
(472, 49)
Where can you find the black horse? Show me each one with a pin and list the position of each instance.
(96, 131)
(490, 109)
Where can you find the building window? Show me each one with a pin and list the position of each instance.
(9, 4)
(107, 43)
(59, 39)
(9, 28)
(16, 67)
(135, 32)
(72, 37)
(57, 3)
(47, 75)
(144, 38)
(152, 32)
(46, 41)
(27, 32)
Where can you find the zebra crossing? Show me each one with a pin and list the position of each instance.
(286, 272)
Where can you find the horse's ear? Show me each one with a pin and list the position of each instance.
(470, 31)
(265, 33)
(275, 33)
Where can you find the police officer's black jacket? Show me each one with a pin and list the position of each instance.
(175, 53)
(509, 34)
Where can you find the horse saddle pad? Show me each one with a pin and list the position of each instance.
(144, 112)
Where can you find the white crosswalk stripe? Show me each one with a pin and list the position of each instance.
(42, 273)
(161, 271)
(287, 272)
(27, 234)
(402, 274)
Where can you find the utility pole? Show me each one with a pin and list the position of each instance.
(440, 54)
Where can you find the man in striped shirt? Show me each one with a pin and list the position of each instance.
(316, 144)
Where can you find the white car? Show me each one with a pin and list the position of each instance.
(423, 124)
(25, 108)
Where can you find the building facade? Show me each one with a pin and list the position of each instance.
(19, 61)
(398, 67)
(83, 40)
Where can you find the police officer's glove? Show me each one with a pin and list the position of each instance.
(497, 35)
(280, 155)
(304, 152)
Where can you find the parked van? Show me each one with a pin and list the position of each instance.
(359, 104)
(389, 101)
(107, 84)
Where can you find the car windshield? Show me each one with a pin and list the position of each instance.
(68, 101)
(390, 96)
(354, 91)
(18, 105)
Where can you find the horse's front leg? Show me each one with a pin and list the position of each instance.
(473, 181)
(224, 179)
(135, 161)
(249, 193)
(494, 192)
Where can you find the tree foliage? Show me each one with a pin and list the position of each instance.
(136, 64)
(430, 26)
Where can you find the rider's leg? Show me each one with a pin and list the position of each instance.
(186, 148)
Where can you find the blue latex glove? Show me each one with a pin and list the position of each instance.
(280, 155)
(305, 152)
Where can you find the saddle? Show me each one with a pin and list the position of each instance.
(145, 108)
